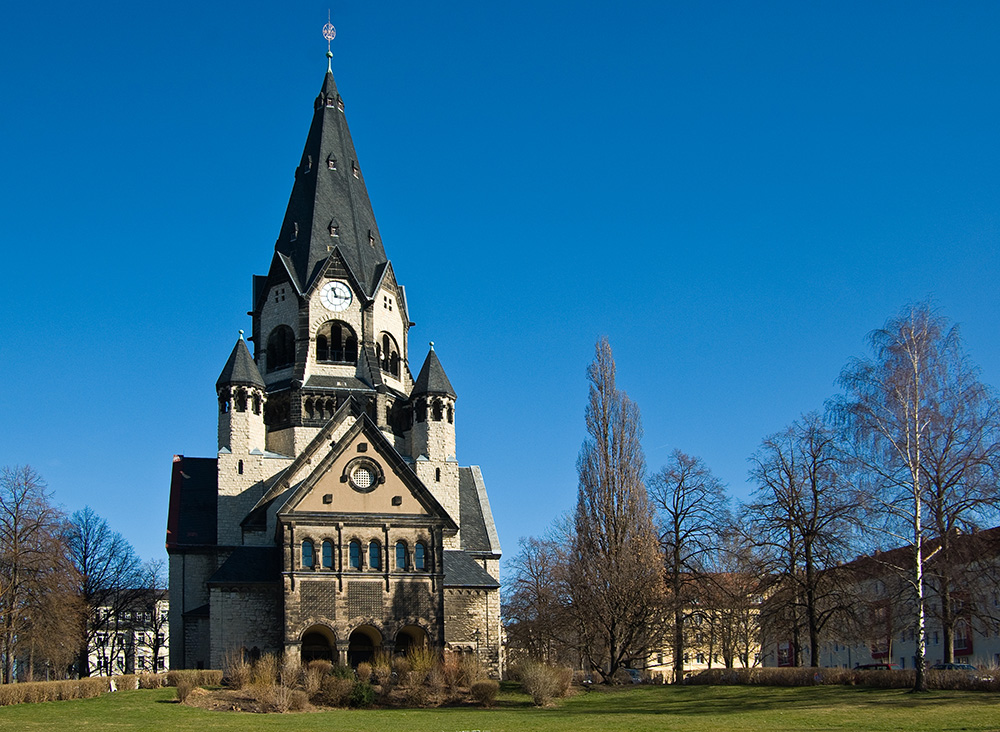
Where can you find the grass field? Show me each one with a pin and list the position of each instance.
(702, 708)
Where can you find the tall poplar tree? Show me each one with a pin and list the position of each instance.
(616, 572)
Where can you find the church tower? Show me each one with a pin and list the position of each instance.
(335, 521)
(329, 319)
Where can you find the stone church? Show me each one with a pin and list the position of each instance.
(335, 521)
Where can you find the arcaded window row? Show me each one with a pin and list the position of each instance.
(371, 559)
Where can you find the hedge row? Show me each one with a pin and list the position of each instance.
(883, 679)
(42, 691)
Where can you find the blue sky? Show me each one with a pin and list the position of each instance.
(733, 193)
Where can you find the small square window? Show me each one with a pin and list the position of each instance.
(397, 500)
(328, 498)
(362, 447)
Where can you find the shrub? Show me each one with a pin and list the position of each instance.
(451, 670)
(238, 670)
(401, 667)
(470, 670)
(485, 692)
(544, 682)
(421, 661)
(336, 691)
(265, 670)
(298, 701)
(184, 688)
(362, 695)
(291, 672)
(126, 682)
(382, 668)
(342, 672)
(364, 671)
(313, 675)
(418, 695)
(152, 681)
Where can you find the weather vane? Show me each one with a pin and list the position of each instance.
(329, 33)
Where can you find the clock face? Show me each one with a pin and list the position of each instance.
(336, 296)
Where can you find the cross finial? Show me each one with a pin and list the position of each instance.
(329, 33)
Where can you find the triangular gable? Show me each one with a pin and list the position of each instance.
(336, 259)
(280, 272)
(386, 277)
(333, 486)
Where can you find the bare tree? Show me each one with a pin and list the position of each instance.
(28, 541)
(691, 511)
(150, 621)
(535, 601)
(110, 580)
(803, 514)
(733, 591)
(616, 573)
(900, 409)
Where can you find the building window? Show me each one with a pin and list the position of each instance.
(419, 562)
(355, 555)
(374, 555)
(280, 348)
(388, 354)
(331, 162)
(336, 343)
(401, 563)
(327, 555)
(307, 554)
(437, 474)
(239, 467)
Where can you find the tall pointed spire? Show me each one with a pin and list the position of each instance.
(329, 209)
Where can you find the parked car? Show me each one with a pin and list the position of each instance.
(877, 667)
(634, 675)
(953, 667)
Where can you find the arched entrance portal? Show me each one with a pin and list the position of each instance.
(318, 644)
(364, 643)
(409, 638)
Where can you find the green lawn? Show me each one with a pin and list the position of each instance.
(701, 708)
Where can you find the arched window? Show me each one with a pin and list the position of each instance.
(355, 555)
(419, 560)
(401, 556)
(374, 555)
(388, 354)
(280, 348)
(336, 343)
(327, 555)
(307, 554)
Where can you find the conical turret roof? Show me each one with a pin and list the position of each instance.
(240, 368)
(329, 207)
(432, 378)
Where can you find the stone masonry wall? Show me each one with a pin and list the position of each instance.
(245, 618)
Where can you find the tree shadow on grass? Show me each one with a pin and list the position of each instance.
(721, 701)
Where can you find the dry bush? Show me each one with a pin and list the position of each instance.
(451, 670)
(485, 692)
(336, 691)
(382, 668)
(291, 672)
(313, 675)
(208, 677)
(539, 682)
(364, 671)
(184, 688)
(471, 670)
(563, 676)
(11, 694)
(401, 667)
(298, 701)
(152, 681)
(126, 682)
(265, 670)
(237, 669)
(421, 661)
(436, 678)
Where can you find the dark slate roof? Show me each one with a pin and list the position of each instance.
(192, 512)
(462, 570)
(202, 611)
(336, 382)
(249, 565)
(432, 378)
(323, 195)
(474, 535)
(240, 368)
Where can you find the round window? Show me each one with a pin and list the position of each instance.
(364, 475)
